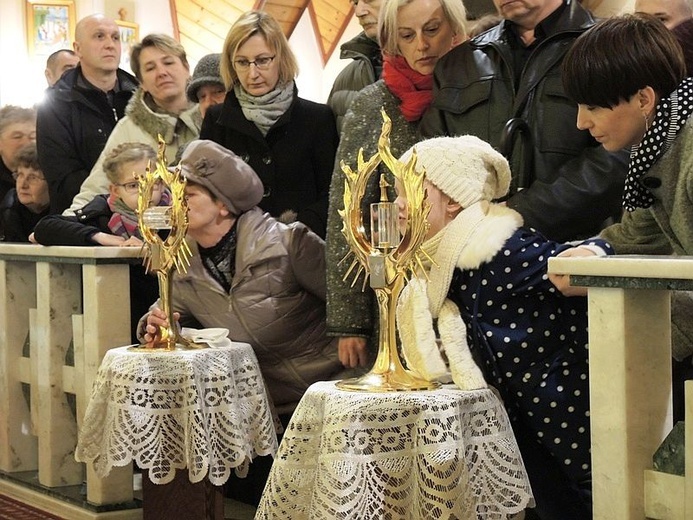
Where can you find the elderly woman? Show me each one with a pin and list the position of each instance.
(159, 106)
(206, 88)
(637, 96)
(26, 204)
(17, 130)
(489, 294)
(413, 35)
(290, 142)
(261, 279)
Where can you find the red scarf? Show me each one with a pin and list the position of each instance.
(414, 90)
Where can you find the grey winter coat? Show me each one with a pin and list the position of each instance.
(276, 303)
(141, 125)
(666, 227)
(350, 311)
(356, 75)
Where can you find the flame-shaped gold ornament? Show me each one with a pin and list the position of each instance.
(164, 255)
(385, 259)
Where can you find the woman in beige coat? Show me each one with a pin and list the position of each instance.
(259, 278)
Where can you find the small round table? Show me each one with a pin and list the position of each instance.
(205, 410)
(435, 454)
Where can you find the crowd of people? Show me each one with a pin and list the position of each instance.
(541, 130)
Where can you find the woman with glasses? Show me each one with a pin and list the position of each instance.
(159, 107)
(25, 204)
(290, 142)
(109, 219)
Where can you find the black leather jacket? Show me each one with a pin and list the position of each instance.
(573, 185)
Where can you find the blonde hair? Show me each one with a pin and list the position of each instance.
(164, 43)
(248, 25)
(454, 12)
(123, 154)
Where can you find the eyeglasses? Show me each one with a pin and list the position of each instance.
(262, 63)
(30, 178)
(133, 187)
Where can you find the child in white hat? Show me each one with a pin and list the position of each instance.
(496, 310)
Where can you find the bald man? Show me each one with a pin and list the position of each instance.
(670, 12)
(82, 109)
(58, 64)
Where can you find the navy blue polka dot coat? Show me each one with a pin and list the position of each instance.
(531, 342)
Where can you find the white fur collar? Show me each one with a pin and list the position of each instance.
(473, 238)
(489, 236)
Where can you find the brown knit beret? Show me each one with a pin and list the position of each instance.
(230, 179)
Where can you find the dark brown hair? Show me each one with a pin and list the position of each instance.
(619, 56)
(27, 157)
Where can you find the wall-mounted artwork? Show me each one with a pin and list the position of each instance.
(50, 25)
(129, 36)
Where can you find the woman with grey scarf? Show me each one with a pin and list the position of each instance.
(290, 142)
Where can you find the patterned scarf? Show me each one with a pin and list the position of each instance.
(671, 115)
(265, 110)
(123, 221)
(220, 259)
(414, 90)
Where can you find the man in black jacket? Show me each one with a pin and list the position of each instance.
(367, 64)
(80, 112)
(504, 86)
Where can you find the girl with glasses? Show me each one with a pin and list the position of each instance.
(109, 219)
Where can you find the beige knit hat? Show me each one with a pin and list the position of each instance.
(465, 168)
(228, 177)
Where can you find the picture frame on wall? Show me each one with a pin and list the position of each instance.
(50, 26)
(129, 36)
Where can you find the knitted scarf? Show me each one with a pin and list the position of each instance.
(265, 110)
(414, 90)
(421, 302)
(123, 221)
(671, 115)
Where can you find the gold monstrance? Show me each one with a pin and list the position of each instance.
(165, 255)
(386, 257)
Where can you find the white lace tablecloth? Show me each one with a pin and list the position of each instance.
(443, 454)
(205, 410)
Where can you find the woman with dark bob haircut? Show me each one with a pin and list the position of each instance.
(628, 77)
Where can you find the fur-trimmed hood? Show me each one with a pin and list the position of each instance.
(164, 124)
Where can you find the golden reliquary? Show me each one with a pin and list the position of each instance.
(164, 255)
(386, 257)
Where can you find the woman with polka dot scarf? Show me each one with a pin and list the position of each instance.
(628, 77)
(499, 319)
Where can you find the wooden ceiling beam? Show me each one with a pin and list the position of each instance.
(202, 23)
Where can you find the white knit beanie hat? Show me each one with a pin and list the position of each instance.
(465, 168)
